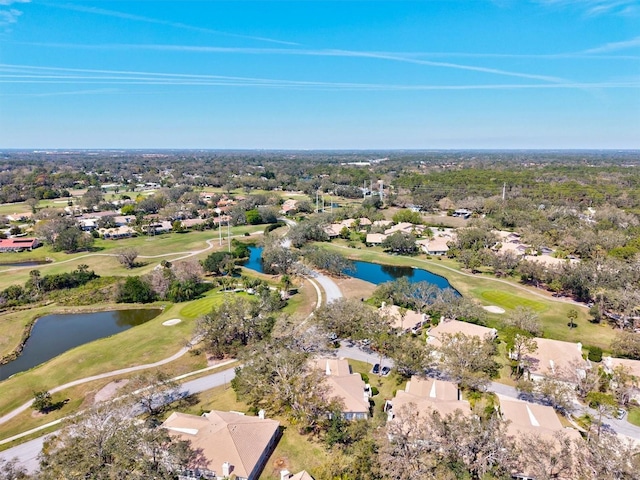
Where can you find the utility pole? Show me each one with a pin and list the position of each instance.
(229, 232)
(504, 191)
(218, 211)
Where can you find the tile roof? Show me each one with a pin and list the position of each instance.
(225, 437)
(456, 326)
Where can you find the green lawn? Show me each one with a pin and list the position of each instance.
(202, 306)
(510, 301)
(633, 417)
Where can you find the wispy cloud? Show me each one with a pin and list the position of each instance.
(615, 46)
(6, 3)
(156, 21)
(598, 7)
(411, 58)
(95, 91)
(10, 16)
(25, 74)
(587, 54)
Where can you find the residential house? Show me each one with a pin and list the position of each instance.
(375, 238)
(556, 358)
(303, 475)
(192, 222)
(116, 233)
(121, 220)
(230, 443)
(435, 246)
(405, 227)
(158, 227)
(452, 327)
(428, 394)
(18, 244)
(404, 320)
(525, 420)
(345, 385)
(88, 224)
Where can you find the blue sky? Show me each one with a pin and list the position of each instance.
(315, 75)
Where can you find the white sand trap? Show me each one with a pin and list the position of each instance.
(175, 321)
(494, 309)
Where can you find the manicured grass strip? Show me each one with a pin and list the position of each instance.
(200, 307)
(510, 301)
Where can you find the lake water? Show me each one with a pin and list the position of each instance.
(377, 274)
(55, 334)
(32, 263)
(254, 262)
(370, 272)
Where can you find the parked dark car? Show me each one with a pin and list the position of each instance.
(385, 371)
(376, 369)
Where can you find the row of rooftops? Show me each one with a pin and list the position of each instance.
(232, 443)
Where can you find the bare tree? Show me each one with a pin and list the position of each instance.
(127, 257)
(525, 319)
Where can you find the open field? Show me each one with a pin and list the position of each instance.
(499, 292)
(168, 246)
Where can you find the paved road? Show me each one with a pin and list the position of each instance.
(27, 453)
(331, 289)
(356, 353)
(80, 381)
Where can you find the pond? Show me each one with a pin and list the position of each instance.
(28, 263)
(370, 272)
(55, 334)
(377, 274)
(255, 256)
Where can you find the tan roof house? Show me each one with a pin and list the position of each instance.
(437, 246)
(556, 358)
(375, 238)
(303, 475)
(527, 419)
(231, 443)
(452, 327)
(403, 319)
(346, 386)
(428, 394)
(405, 227)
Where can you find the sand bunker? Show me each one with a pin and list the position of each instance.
(176, 321)
(494, 309)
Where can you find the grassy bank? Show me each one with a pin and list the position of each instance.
(146, 343)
